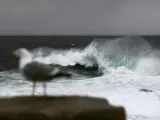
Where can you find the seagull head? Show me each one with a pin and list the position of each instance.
(21, 52)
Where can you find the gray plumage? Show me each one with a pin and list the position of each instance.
(40, 72)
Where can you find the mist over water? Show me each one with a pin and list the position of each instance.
(128, 65)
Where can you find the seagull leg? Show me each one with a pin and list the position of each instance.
(44, 89)
(33, 88)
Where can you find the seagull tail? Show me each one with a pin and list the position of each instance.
(63, 74)
(60, 74)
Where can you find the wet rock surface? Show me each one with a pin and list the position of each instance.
(59, 108)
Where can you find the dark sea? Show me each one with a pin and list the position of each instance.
(123, 69)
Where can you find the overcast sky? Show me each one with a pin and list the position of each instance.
(80, 17)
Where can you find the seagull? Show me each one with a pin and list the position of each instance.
(35, 71)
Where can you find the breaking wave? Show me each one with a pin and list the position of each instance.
(129, 53)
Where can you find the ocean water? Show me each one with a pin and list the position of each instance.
(125, 70)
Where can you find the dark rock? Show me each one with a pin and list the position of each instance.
(145, 90)
(59, 108)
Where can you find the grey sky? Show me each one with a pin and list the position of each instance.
(67, 17)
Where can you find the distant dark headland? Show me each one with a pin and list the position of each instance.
(8, 43)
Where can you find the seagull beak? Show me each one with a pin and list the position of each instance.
(12, 53)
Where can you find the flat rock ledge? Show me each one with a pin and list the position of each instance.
(59, 108)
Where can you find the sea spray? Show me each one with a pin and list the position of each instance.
(130, 52)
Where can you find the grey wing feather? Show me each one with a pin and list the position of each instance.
(37, 70)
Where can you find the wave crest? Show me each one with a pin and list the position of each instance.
(107, 54)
